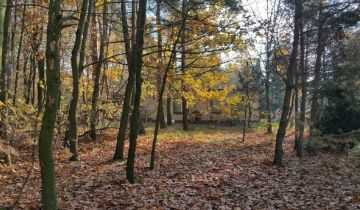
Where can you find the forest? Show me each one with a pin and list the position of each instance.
(179, 104)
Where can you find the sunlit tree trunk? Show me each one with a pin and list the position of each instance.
(51, 106)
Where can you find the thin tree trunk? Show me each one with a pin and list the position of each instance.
(96, 90)
(314, 113)
(299, 147)
(41, 83)
(168, 111)
(160, 58)
(119, 150)
(52, 97)
(29, 78)
(26, 59)
(250, 115)
(161, 94)
(73, 129)
(17, 68)
(137, 65)
(33, 79)
(185, 111)
(289, 83)
(244, 123)
(267, 99)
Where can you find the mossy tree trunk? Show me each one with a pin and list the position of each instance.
(46, 159)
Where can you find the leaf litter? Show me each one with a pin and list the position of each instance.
(203, 170)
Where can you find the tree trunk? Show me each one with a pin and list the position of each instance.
(99, 64)
(52, 97)
(299, 145)
(168, 111)
(75, 66)
(5, 15)
(314, 113)
(267, 99)
(17, 68)
(289, 83)
(137, 66)
(33, 79)
(5, 68)
(161, 94)
(160, 58)
(250, 115)
(41, 83)
(119, 150)
(25, 77)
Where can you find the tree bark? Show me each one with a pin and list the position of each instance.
(5, 69)
(137, 66)
(41, 83)
(5, 15)
(75, 66)
(119, 150)
(99, 64)
(314, 113)
(289, 83)
(160, 58)
(168, 111)
(52, 97)
(185, 110)
(17, 68)
(299, 145)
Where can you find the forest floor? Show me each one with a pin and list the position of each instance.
(206, 168)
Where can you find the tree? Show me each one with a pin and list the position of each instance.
(76, 67)
(303, 77)
(119, 150)
(319, 53)
(289, 84)
(185, 109)
(160, 58)
(46, 159)
(95, 95)
(162, 90)
(137, 53)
